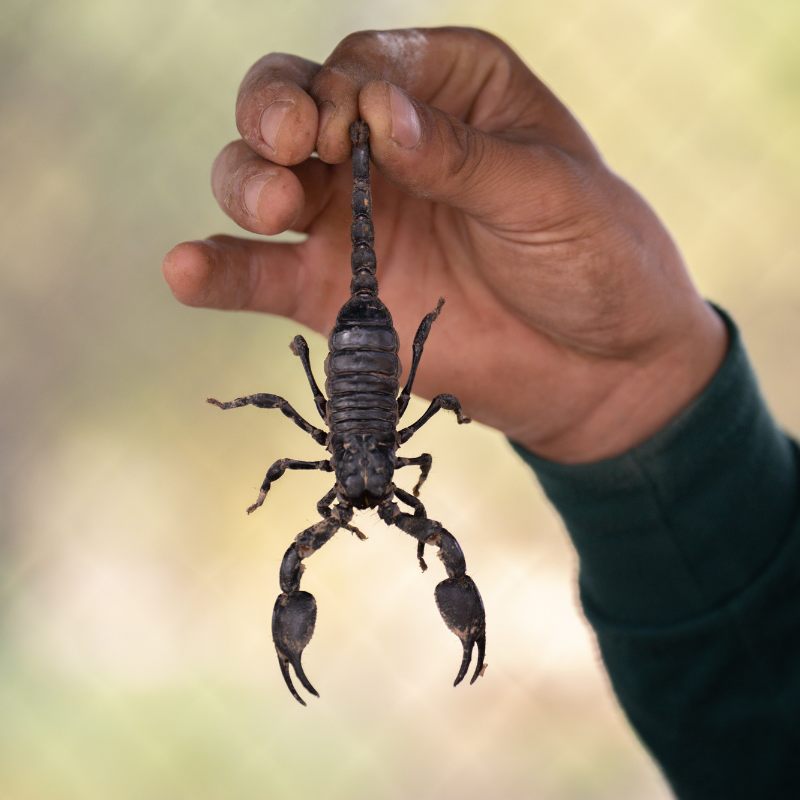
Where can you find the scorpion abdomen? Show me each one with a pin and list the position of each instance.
(363, 369)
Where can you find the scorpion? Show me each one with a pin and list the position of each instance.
(362, 412)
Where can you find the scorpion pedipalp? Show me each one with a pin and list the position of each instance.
(295, 612)
(457, 597)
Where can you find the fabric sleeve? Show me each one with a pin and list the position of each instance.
(689, 550)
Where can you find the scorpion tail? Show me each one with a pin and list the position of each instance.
(293, 620)
(362, 231)
(461, 607)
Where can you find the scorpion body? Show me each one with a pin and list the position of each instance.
(362, 413)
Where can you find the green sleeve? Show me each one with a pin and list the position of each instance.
(689, 549)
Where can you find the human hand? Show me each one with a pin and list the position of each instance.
(571, 324)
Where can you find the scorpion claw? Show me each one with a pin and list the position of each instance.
(480, 666)
(461, 607)
(284, 665)
(293, 620)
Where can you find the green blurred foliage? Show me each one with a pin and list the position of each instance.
(135, 657)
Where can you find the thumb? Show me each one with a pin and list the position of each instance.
(433, 155)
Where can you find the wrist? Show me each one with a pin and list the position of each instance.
(642, 395)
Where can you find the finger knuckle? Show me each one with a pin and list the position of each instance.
(463, 151)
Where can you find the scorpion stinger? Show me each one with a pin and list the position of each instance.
(362, 411)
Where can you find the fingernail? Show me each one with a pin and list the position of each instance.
(271, 120)
(252, 192)
(406, 124)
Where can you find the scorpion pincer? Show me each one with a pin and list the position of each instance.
(362, 412)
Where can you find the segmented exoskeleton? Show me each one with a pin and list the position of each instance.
(362, 412)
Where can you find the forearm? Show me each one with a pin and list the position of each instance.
(690, 574)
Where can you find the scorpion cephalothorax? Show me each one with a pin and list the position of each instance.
(362, 412)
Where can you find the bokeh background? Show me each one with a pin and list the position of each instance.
(135, 594)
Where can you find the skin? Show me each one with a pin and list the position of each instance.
(571, 324)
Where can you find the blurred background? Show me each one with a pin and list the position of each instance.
(135, 593)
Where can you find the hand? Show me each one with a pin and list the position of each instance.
(571, 324)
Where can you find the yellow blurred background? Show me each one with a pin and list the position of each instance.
(135, 594)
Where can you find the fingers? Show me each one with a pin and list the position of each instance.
(463, 72)
(229, 273)
(264, 197)
(274, 113)
(455, 116)
(242, 182)
(421, 150)
(287, 105)
(298, 281)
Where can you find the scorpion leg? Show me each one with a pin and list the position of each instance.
(273, 401)
(424, 463)
(416, 350)
(277, 470)
(295, 613)
(299, 347)
(441, 401)
(457, 597)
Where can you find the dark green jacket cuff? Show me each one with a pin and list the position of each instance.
(685, 521)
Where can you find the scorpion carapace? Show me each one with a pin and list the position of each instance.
(362, 411)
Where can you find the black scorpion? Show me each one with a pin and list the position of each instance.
(362, 412)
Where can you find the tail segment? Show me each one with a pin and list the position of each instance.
(362, 233)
